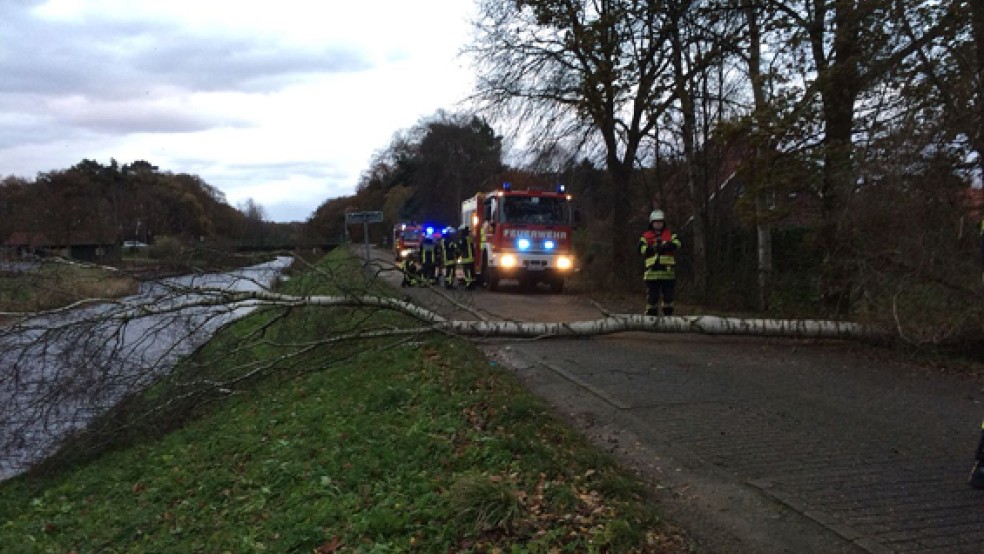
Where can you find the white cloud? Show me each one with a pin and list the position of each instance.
(281, 102)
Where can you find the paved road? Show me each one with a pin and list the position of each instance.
(764, 445)
(874, 452)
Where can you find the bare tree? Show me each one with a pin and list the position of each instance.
(977, 130)
(686, 71)
(949, 77)
(255, 216)
(759, 135)
(757, 83)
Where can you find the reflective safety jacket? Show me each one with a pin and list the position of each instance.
(410, 271)
(449, 251)
(659, 250)
(466, 249)
(428, 252)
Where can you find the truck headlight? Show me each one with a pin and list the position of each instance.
(405, 252)
(565, 262)
(507, 260)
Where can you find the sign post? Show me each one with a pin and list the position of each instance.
(365, 218)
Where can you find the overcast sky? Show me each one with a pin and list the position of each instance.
(281, 101)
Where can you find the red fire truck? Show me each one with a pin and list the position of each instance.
(521, 235)
(406, 239)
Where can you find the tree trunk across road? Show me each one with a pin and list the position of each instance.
(756, 444)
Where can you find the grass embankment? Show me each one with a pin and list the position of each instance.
(52, 285)
(388, 445)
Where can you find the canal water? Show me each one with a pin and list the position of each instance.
(57, 372)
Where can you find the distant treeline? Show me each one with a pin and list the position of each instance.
(109, 204)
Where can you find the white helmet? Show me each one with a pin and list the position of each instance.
(657, 215)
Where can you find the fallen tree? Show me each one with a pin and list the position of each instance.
(613, 323)
(63, 369)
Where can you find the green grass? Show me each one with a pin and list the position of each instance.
(52, 285)
(389, 445)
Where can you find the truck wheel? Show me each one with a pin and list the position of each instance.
(492, 279)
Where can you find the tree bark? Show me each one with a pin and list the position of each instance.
(615, 323)
(977, 28)
(759, 188)
(698, 197)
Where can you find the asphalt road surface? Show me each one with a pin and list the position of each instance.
(760, 445)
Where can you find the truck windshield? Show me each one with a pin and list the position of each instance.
(411, 235)
(537, 210)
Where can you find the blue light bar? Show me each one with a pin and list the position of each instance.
(561, 188)
(523, 244)
(549, 245)
(506, 186)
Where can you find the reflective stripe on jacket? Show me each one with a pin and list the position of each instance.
(658, 250)
(448, 252)
(428, 253)
(466, 248)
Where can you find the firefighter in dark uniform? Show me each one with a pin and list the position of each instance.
(411, 272)
(449, 256)
(466, 256)
(658, 246)
(428, 261)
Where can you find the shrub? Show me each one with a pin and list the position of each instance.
(484, 503)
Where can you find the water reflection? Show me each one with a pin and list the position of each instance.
(59, 371)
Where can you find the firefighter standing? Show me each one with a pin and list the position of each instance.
(658, 246)
(466, 256)
(428, 261)
(449, 257)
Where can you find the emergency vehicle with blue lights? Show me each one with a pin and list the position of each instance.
(521, 235)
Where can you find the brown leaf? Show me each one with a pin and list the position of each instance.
(329, 547)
